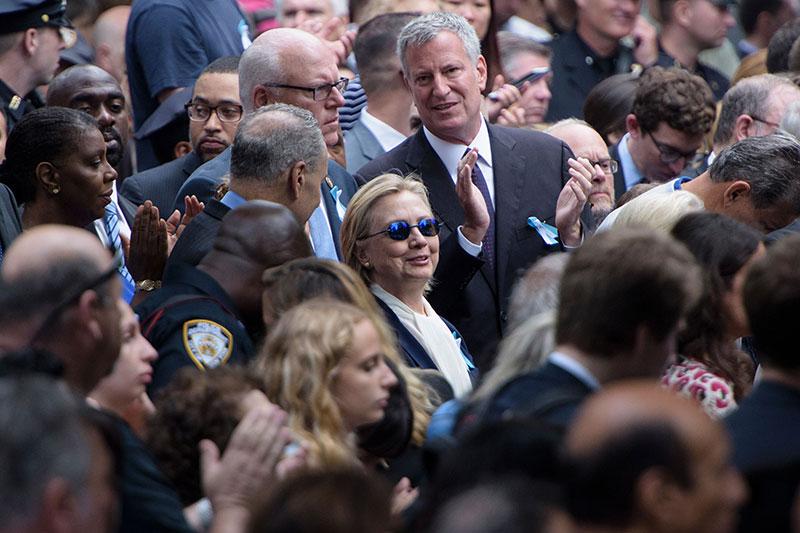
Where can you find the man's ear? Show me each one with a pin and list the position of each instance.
(297, 179)
(58, 506)
(742, 126)
(681, 13)
(87, 310)
(632, 125)
(736, 191)
(48, 177)
(261, 97)
(181, 149)
(483, 73)
(658, 498)
(30, 40)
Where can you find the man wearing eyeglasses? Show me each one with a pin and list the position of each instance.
(673, 110)
(214, 114)
(287, 66)
(32, 34)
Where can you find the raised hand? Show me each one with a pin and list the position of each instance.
(572, 200)
(503, 95)
(476, 214)
(148, 248)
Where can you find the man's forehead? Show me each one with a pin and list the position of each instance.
(96, 91)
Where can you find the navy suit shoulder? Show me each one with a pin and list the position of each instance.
(204, 180)
(716, 80)
(619, 175)
(10, 221)
(549, 392)
(361, 146)
(198, 237)
(160, 185)
(761, 431)
(415, 354)
(192, 321)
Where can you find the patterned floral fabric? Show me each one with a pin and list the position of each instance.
(695, 380)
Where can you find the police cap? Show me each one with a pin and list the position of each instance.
(19, 15)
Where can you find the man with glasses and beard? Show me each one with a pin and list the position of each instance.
(672, 112)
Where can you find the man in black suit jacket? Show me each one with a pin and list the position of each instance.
(522, 175)
(10, 222)
(214, 114)
(278, 155)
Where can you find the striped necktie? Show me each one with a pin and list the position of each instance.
(112, 230)
(488, 240)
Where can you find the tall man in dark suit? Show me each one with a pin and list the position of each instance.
(293, 67)
(519, 173)
(214, 113)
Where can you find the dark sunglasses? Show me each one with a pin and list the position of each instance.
(400, 230)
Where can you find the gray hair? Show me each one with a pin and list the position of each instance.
(750, 96)
(790, 123)
(43, 438)
(770, 164)
(424, 29)
(273, 138)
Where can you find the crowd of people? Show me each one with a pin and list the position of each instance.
(423, 265)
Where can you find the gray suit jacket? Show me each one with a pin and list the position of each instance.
(10, 223)
(160, 184)
(360, 146)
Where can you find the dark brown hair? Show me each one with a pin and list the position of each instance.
(676, 97)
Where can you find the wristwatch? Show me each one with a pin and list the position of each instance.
(148, 285)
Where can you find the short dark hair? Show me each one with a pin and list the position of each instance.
(620, 280)
(46, 134)
(223, 65)
(772, 301)
(608, 104)
(749, 10)
(676, 97)
(601, 484)
(511, 45)
(375, 50)
(770, 164)
(781, 45)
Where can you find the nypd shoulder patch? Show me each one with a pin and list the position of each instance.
(207, 343)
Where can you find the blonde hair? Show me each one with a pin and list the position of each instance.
(658, 211)
(358, 218)
(290, 284)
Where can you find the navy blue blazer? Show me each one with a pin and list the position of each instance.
(415, 354)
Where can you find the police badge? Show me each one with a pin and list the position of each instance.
(208, 344)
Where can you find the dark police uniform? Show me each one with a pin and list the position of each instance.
(17, 16)
(576, 70)
(715, 79)
(192, 321)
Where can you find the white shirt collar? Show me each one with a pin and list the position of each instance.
(451, 154)
(568, 364)
(387, 136)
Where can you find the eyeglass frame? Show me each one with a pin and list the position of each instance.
(344, 82)
(56, 312)
(767, 122)
(215, 109)
(612, 163)
(437, 224)
(687, 158)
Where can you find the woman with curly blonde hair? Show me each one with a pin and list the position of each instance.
(324, 363)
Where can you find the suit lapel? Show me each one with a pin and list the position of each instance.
(370, 147)
(128, 209)
(415, 353)
(441, 190)
(509, 179)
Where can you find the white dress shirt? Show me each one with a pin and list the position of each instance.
(387, 136)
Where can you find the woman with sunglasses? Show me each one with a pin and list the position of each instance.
(390, 237)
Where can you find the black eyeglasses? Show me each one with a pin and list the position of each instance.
(76, 292)
(225, 112)
(319, 93)
(401, 230)
(767, 122)
(607, 165)
(669, 154)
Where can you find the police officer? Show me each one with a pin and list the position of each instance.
(32, 34)
(610, 37)
(210, 315)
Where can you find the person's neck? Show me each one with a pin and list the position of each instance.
(597, 366)
(102, 401)
(411, 294)
(680, 46)
(392, 108)
(251, 190)
(703, 187)
(634, 149)
(38, 213)
(600, 44)
(15, 74)
(758, 40)
(780, 376)
(463, 137)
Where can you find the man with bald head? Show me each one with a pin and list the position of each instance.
(293, 67)
(210, 315)
(586, 143)
(59, 292)
(640, 458)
